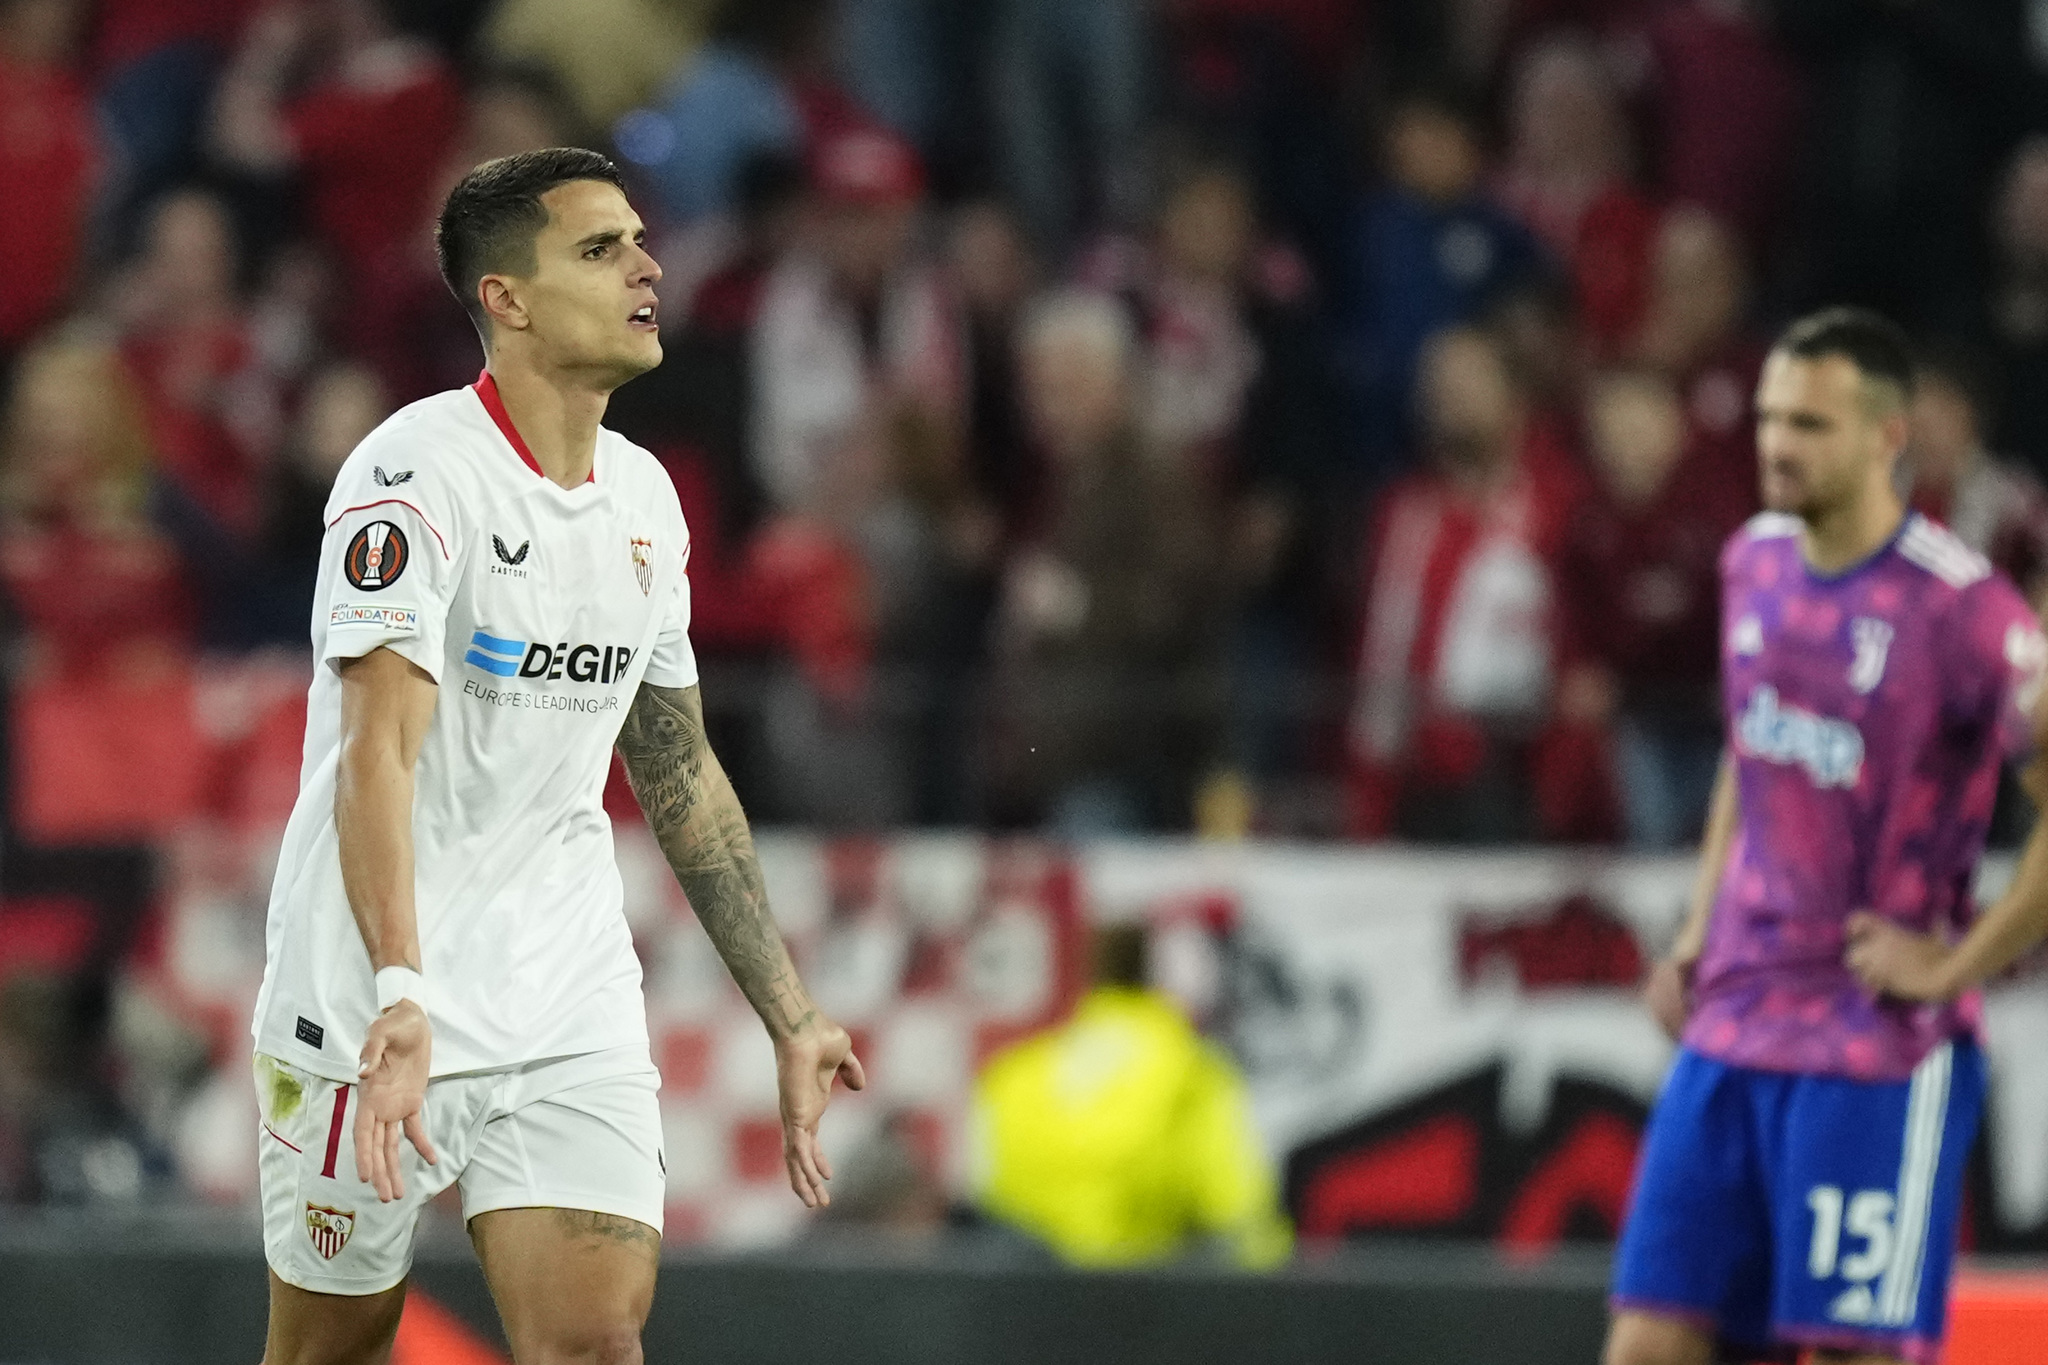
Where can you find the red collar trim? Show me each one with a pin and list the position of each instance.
(486, 388)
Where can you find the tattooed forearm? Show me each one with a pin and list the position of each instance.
(696, 817)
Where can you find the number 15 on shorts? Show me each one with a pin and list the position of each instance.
(1867, 1215)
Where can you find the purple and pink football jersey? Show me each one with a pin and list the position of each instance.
(1869, 715)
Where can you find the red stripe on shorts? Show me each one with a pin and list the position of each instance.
(334, 1132)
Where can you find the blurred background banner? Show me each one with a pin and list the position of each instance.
(1434, 1045)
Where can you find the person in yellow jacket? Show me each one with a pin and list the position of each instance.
(1122, 1136)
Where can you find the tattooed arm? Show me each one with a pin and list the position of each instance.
(696, 817)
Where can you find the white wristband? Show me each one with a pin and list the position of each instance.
(400, 983)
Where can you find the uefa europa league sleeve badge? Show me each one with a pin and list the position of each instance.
(376, 557)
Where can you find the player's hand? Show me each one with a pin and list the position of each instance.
(1892, 961)
(1667, 994)
(805, 1066)
(391, 1098)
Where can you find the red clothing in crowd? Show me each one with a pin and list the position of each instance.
(85, 597)
(370, 143)
(1724, 104)
(49, 156)
(1606, 246)
(1639, 587)
(181, 373)
(1460, 628)
(1719, 395)
(127, 30)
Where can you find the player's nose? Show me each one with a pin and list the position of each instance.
(646, 270)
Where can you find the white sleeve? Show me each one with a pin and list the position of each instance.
(387, 575)
(673, 663)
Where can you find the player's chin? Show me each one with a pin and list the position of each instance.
(1782, 494)
(639, 356)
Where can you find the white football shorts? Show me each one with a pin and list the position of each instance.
(580, 1132)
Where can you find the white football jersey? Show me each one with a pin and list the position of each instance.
(538, 610)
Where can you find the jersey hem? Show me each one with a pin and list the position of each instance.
(294, 1053)
(1739, 1061)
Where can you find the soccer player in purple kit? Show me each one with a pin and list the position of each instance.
(1800, 1184)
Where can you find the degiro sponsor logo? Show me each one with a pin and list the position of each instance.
(531, 659)
(1831, 751)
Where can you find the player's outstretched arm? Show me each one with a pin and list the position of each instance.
(1669, 989)
(387, 705)
(696, 817)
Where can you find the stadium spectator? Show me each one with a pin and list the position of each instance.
(1458, 650)
(99, 590)
(49, 161)
(1064, 172)
(1568, 176)
(104, 604)
(1996, 508)
(1538, 326)
(2018, 304)
(761, 83)
(1427, 250)
(1639, 588)
(344, 401)
(154, 63)
(1235, 388)
(858, 366)
(1114, 610)
(856, 347)
(363, 137)
(993, 273)
(1723, 101)
(1123, 1137)
(611, 59)
(1265, 80)
(213, 414)
(1695, 330)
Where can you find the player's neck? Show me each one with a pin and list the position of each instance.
(1846, 535)
(556, 417)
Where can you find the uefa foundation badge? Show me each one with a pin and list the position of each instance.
(329, 1229)
(643, 564)
(376, 557)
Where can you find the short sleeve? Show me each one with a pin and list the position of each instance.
(673, 663)
(387, 576)
(2001, 663)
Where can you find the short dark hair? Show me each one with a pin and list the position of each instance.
(494, 213)
(1870, 341)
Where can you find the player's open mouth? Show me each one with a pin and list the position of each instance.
(643, 317)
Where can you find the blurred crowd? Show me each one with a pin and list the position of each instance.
(1306, 417)
(1298, 416)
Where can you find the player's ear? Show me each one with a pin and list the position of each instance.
(1898, 430)
(501, 302)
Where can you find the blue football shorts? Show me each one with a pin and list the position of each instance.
(1775, 1210)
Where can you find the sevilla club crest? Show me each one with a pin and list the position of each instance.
(329, 1229)
(643, 563)
(376, 557)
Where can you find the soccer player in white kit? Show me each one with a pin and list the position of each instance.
(502, 599)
